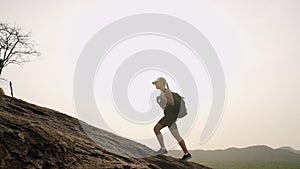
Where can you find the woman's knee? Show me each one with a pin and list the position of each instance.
(157, 128)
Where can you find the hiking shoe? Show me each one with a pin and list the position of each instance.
(162, 151)
(186, 157)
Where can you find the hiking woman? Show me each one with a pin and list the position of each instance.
(171, 108)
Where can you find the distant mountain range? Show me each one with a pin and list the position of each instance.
(255, 153)
(253, 157)
(290, 149)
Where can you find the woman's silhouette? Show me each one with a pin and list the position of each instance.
(171, 108)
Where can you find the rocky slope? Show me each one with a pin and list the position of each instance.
(36, 137)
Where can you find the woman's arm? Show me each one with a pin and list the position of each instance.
(169, 96)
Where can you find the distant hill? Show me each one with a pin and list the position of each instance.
(250, 157)
(248, 153)
(290, 149)
(36, 137)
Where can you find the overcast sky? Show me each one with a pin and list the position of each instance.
(257, 43)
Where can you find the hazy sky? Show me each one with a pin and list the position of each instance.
(257, 43)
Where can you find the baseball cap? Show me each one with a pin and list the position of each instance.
(160, 79)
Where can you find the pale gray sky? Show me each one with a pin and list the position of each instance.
(257, 43)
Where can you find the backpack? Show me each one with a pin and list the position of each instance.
(180, 99)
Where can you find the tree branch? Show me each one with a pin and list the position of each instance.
(11, 51)
(16, 47)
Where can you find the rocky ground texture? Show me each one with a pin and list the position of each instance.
(36, 137)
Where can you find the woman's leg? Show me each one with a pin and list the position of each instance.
(177, 136)
(159, 136)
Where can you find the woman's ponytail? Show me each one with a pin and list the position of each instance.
(167, 85)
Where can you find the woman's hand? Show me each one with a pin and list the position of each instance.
(162, 101)
(158, 99)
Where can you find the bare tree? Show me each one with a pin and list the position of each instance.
(16, 47)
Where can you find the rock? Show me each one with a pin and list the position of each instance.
(36, 137)
(1, 91)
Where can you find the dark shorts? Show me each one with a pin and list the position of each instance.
(170, 116)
